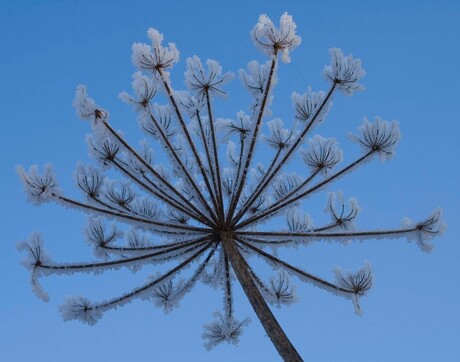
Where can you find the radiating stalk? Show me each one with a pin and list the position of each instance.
(249, 155)
(201, 167)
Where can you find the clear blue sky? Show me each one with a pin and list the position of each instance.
(411, 54)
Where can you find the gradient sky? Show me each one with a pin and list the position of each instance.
(411, 54)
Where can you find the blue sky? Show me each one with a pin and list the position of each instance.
(410, 52)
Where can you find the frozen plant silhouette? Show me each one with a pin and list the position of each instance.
(203, 218)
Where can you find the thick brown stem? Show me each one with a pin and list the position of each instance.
(279, 339)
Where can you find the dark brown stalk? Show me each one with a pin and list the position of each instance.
(279, 339)
(160, 279)
(188, 137)
(152, 170)
(272, 210)
(183, 168)
(124, 217)
(290, 151)
(249, 155)
(218, 191)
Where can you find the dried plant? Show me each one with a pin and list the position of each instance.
(205, 210)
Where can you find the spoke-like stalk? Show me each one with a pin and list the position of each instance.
(293, 147)
(195, 213)
(189, 139)
(162, 196)
(300, 196)
(238, 170)
(162, 227)
(279, 339)
(106, 205)
(283, 199)
(136, 292)
(153, 171)
(206, 148)
(251, 200)
(183, 168)
(260, 237)
(141, 249)
(248, 157)
(137, 260)
(313, 278)
(216, 172)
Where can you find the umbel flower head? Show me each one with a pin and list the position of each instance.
(201, 217)
(272, 40)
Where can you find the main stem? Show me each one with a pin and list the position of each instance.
(279, 339)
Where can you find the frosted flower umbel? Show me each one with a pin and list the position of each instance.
(196, 203)
(344, 71)
(201, 81)
(272, 40)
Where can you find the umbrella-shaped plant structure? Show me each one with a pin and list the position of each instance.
(204, 216)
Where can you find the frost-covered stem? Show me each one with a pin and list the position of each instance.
(196, 275)
(124, 217)
(240, 161)
(145, 248)
(260, 283)
(179, 162)
(283, 199)
(320, 235)
(195, 213)
(326, 227)
(300, 196)
(279, 339)
(136, 292)
(228, 303)
(153, 171)
(251, 199)
(248, 157)
(297, 189)
(216, 174)
(295, 144)
(189, 140)
(102, 203)
(295, 270)
(206, 148)
(162, 196)
(120, 262)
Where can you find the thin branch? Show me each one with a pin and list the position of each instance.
(249, 155)
(220, 200)
(183, 168)
(300, 196)
(136, 292)
(312, 278)
(170, 228)
(287, 237)
(162, 196)
(250, 201)
(206, 148)
(293, 147)
(126, 262)
(189, 140)
(153, 171)
(141, 249)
